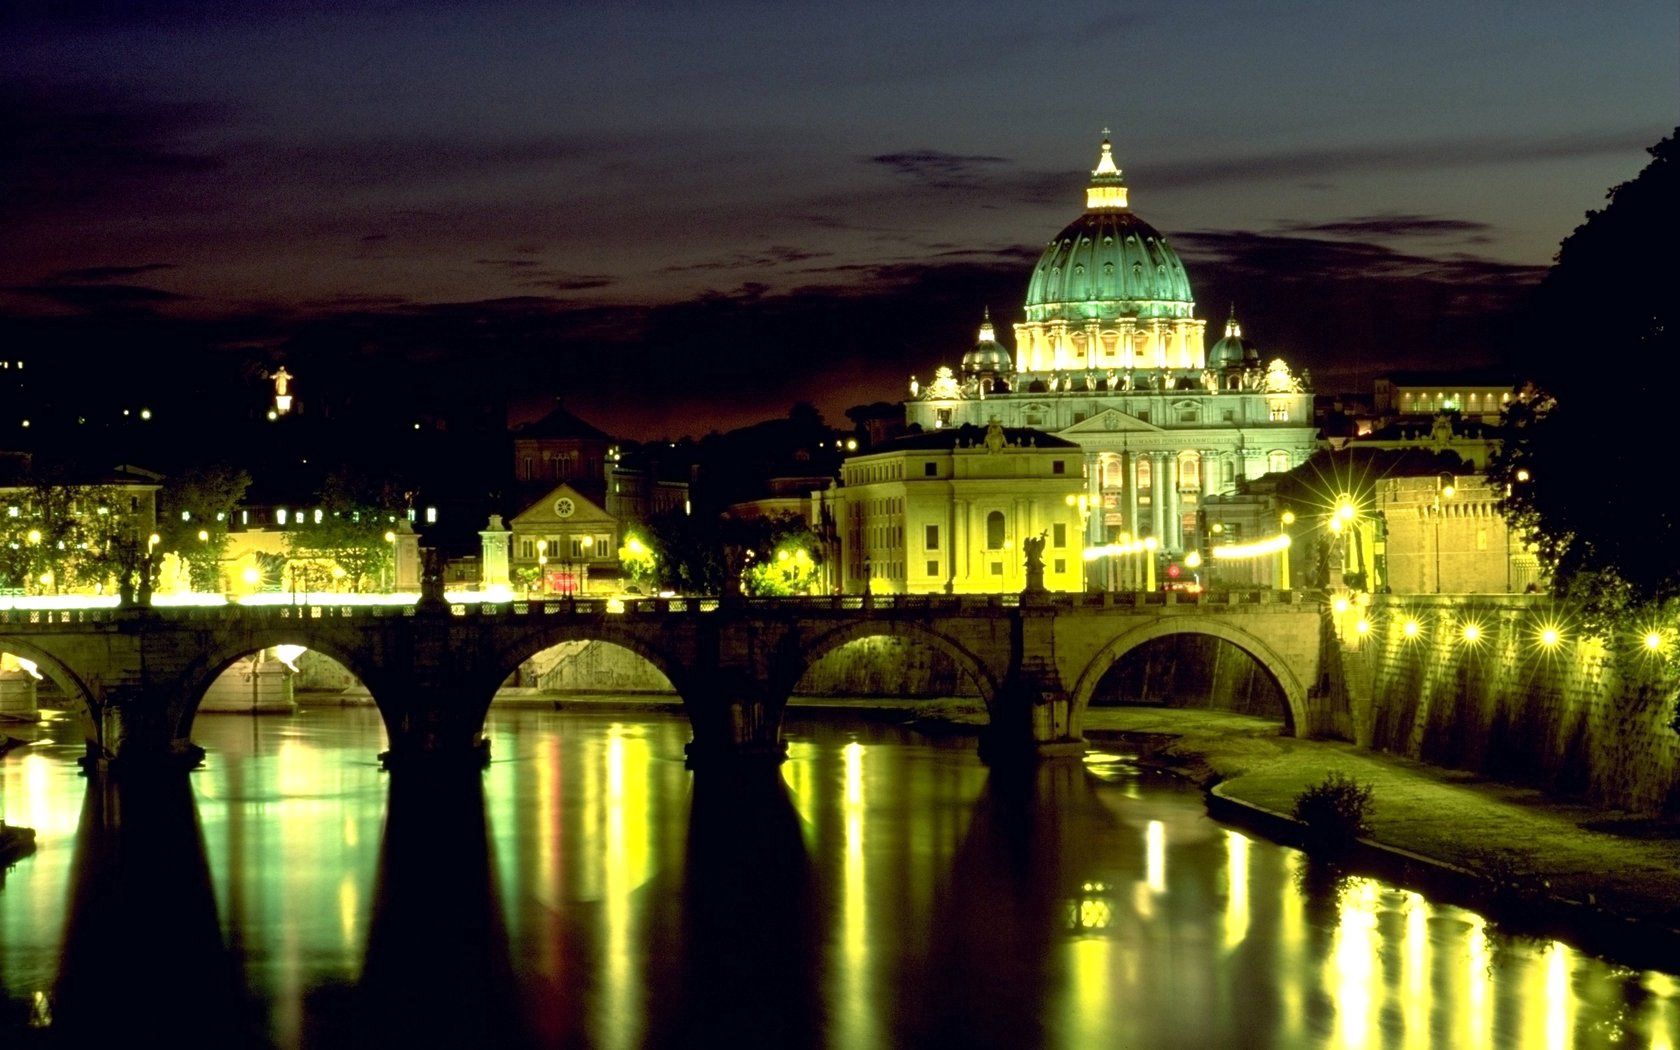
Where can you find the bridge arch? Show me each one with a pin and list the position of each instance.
(53, 667)
(511, 655)
(814, 648)
(203, 671)
(1294, 693)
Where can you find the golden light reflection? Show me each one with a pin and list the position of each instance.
(348, 910)
(1415, 996)
(1662, 1020)
(1236, 890)
(1478, 982)
(625, 861)
(796, 773)
(1355, 964)
(1092, 960)
(1560, 1004)
(1155, 856)
(858, 1014)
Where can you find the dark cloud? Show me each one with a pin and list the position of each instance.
(574, 283)
(1435, 155)
(1401, 225)
(100, 298)
(74, 146)
(105, 273)
(936, 167)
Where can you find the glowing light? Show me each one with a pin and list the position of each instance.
(1549, 637)
(288, 654)
(1409, 628)
(390, 537)
(1340, 605)
(1472, 633)
(145, 413)
(1344, 509)
(203, 536)
(29, 667)
(1192, 560)
(1522, 475)
(1288, 517)
(1653, 641)
(1363, 626)
(1155, 856)
(34, 536)
(1257, 549)
(253, 576)
(1236, 891)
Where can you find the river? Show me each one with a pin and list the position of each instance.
(884, 889)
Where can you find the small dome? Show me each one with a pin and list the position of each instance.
(1233, 351)
(988, 355)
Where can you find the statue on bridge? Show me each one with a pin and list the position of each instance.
(1034, 548)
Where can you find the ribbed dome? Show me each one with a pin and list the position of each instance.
(1233, 351)
(988, 354)
(1108, 262)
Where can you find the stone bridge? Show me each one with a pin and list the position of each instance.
(1036, 659)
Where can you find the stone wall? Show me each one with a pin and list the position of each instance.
(1195, 671)
(1571, 718)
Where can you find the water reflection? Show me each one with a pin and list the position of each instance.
(880, 889)
(142, 947)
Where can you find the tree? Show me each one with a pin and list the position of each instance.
(56, 536)
(785, 559)
(350, 545)
(195, 510)
(1582, 445)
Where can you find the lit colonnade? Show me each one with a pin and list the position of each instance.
(1110, 356)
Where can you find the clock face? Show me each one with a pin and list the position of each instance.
(564, 506)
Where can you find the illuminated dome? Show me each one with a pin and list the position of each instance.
(1108, 292)
(1233, 351)
(988, 354)
(1108, 263)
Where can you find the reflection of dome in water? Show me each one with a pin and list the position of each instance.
(988, 354)
(1108, 262)
(1233, 351)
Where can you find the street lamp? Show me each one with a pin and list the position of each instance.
(588, 552)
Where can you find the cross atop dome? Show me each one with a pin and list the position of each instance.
(1108, 185)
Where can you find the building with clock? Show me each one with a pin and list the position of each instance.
(1111, 356)
(564, 543)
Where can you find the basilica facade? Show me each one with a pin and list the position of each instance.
(1111, 357)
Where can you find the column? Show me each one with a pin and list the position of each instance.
(1128, 469)
(1173, 538)
(1157, 475)
(1095, 530)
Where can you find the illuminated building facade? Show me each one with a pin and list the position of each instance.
(564, 543)
(1110, 356)
(947, 511)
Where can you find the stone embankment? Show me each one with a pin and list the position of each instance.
(1605, 880)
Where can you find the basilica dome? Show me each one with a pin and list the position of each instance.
(1108, 263)
(1233, 351)
(988, 354)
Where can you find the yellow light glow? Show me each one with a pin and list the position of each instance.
(1522, 475)
(253, 576)
(203, 535)
(34, 536)
(1257, 549)
(1363, 626)
(1288, 517)
(1192, 560)
(1409, 628)
(1472, 633)
(1336, 525)
(390, 537)
(1344, 509)
(1340, 605)
(1549, 637)
(1653, 641)
(1155, 856)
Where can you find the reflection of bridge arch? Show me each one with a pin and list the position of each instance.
(815, 648)
(52, 667)
(1294, 693)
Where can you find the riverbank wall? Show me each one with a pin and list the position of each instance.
(1476, 684)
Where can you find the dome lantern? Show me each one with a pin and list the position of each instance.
(1108, 185)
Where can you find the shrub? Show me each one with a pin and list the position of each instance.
(1334, 811)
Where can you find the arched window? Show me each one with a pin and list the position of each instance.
(994, 531)
(1277, 461)
(1143, 471)
(1111, 474)
(1228, 472)
(1189, 471)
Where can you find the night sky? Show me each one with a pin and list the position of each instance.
(682, 217)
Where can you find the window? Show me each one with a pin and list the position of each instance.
(1228, 471)
(1229, 415)
(994, 531)
(933, 568)
(1189, 471)
(1058, 466)
(1278, 412)
(1058, 534)
(1142, 415)
(1277, 461)
(527, 549)
(1188, 414)
(930, 537)
(997, 568)
(1061, 565)
(930, 470)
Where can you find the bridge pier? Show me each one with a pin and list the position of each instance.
(737, 722)
(435, 725)
(1032, 714)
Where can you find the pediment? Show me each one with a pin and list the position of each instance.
(1111, 421)
(545, 512)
